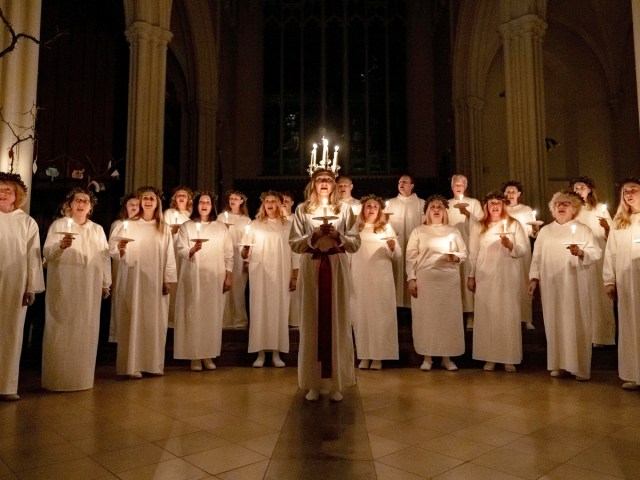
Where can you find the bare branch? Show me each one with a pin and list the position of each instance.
(15, 37)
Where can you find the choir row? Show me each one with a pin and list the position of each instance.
(188, 267)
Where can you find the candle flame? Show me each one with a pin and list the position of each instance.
(573, 228)
(246, 229)
(198, 225)
(126, 225)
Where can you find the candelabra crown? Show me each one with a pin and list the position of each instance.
(325, 163)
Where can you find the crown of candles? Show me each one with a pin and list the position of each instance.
(325, 163)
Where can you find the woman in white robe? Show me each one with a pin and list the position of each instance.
(204, 245)
(513, 189)
(373, 302)
(288, 200)
(496, 245)
(563, 266)
(235, 216)
(130, 208)
(324, 245)
(463, 212)
(20, 278)
(596, 216)
(434, 253)
(622, 280)
(147, 267)
(78, 278)
(179, 212)
(272, 274)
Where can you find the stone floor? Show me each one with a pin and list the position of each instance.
(239, 423)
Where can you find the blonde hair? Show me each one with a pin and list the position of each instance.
(244, 210)
(566, 196)
(312, 202)
(173, 204)
(622, 218)
(65, 209)
(486, 222)
(380, 223)
(262, 216)
(445, 204)
(18, 186)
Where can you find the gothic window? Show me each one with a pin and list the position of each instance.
(335, 68)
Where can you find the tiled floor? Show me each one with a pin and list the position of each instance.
(397, 424)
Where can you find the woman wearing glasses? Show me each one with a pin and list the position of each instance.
(564, 267)
(78, 276)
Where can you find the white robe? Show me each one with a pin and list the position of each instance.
(406, 214)
(497, 333)
(294, 297)
(622, 269)
(172, 216)
(270, 264)
(463, 224)
(309, 372)
(524, 215)
(199, 298)
(436, 313)
(75, 279)
(20, 272)
(373, 302)
(356, 205)
(565, 282)
(235, 309)
(604, 322)
(141, 308)
(115, 262)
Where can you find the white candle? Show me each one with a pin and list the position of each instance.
(604, 208)
(246, 230)
(198, 225)
(460, 198)
(69, 222)
(313, 154)
(504, 226)
(387, 230)
(125, 226)
(386, 205)
(175, 218)
(335, 158)
(324, 207)
(573, 233)
(325, 152)
(226, 217)
(534, 215)
(451, 243)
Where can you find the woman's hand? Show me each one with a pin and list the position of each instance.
(611, 292)
(105, 292)
(66, 242)
(533, 284)
(226, 286)
(28, 298)
(471, 284)
(506, 242)
(122, 247)
(197, 246)
(413, 288)
(244, 253)
(391, 243)
(165, 289)
(576, 251)
(453, 258)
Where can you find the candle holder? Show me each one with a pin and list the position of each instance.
(536, 222)
(122, 239)
(461, 205)
(325, 218)
(68, 234)
(200, 240)
(579, 244)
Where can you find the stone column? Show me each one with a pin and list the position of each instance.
(635, 11)
(468, 115)
(18, 88)
(147, 80)
(522, 45)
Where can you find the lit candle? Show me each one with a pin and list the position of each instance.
(125, 226)
(460, 198)
(325, 152)
(335, 158)
(175, 218)
(386, 205)
(313, 154)
(246, 230)
(324, 207)
(603, 207)
(387, 230)
(198, 225)
(504, 226)
(573, 233)
(534, 215)
(451, 243)
(69, 223)
(226, 217)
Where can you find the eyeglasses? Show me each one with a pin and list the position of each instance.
(86, 201)
(494, 203)
(563, 204)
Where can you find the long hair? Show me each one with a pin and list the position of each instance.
(244, 210)
(566, 196)
(262, 216)
(486, 222)
(173, 204)
(195, 215)
(622, 218)
(123, 214)
(65, 209)
(157, 215)
(18, 185)
(312, 202)
(380, 223)
(445, 204)
(592, 198)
